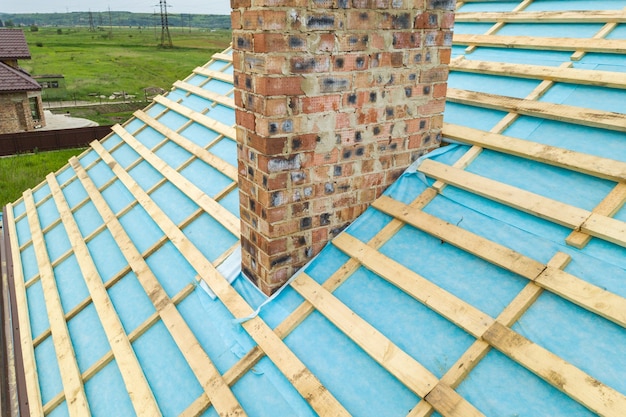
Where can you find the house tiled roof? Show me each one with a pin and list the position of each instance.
(13, 44)
(489, 280)
(12, 80)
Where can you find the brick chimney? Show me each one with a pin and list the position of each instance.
(335, 98)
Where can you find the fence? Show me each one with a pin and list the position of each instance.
(50, 140)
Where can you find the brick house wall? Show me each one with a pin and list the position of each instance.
(15, 113)
(335, 98)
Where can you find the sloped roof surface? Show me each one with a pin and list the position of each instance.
(13, 44)
(16, 80)
(488, 280)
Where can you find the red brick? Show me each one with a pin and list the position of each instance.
(278, 86)
(319, 104)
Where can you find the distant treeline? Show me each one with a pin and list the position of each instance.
(105, 19)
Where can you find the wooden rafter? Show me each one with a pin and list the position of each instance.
(576, 161)
(294, 370)
(551, 111)
(572, 16)
(540, 72)
(70, 374)
(204, 120)
(212, 207)
(209, 95)
(199, 362)
(609, 46)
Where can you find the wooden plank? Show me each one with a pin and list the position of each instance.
(224, 167)
(447, 402)
(483, 248)
(558, 74)
(199, 362)
(228, 131)
(495, 28)
(534, 204)
(401, 365)
(582, 387)
(218, 75)
(477, 351)
(609, 46)
(447, 305)
(222, 57)
(576, 290)
(70, 374)
(311, 389)
(576, 161)
(559, 112)
(208, 204)
(602, 33)
(591, 297)
(23, 321)
(610, 205)
(209, 95)
(135, 381)
(397, 362)
(562, 16)
(108, 357)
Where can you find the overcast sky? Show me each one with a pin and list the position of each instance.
(137, 6)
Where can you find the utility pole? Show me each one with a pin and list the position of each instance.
(92, 28)
(110, 24)
(166, 39)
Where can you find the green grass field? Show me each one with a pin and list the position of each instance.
(125, 59)
(20, 172)
(94, 62)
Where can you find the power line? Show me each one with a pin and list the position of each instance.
(166, 39)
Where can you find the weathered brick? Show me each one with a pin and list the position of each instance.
(344, 94)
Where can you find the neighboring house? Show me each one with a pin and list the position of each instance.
(488, 280)
(54, 87)
(21, 108)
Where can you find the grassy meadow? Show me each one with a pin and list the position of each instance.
(20, 172)
(119, 58)
(125, 59)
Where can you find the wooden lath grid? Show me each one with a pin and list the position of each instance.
(438, 394)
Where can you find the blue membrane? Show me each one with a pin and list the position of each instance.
(37, 309)
(87, 218)
(140, 227)
(564, 328)
(107, 394)
(48, 370)
(173, 120)
(74, 193)
(333, 357)
(196, 103)
(88, 338)
(171, 269)
(125, 155)
(198, 171)
(131, 302)
(199, 134)
(498, 386)
(173, 154)
(106, 255)
(111, 141)
(226, 149)
(149, 137)
(514, 87)
(173, 202)
(210, 237)
(166, 370)
(196, 79)
(70, 283)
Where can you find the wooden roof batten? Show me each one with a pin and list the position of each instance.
(294, 370)
(199, 362)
